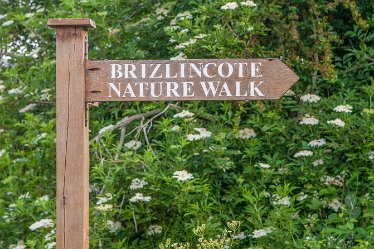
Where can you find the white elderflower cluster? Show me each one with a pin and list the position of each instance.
(139, 197)
(337, 122)
(50, 236)
(335, 205)
(309, 120)
(175, 128)
(262, 232)
(104, 199)
(45, 95)
(239, 236)
(161, 13)
(113, 226)
(311, 98)
(229, 6)
(137, 184)
(285, 201)
(133, 144)
(201, 36)
(184, 114)
(50, 245)
(2, 152)
(180, 56)
(249, 3)
(343, 108)
(3, 16)
(7, 23)
(318, 162)
(303, 153)
(20, 245)
(43, 223)
(203, 133)
(16, 91)
(301, 196)
(370, 155)
(40, 137)
(42, 199)
(330, 180)
(317, 143)
(263, 165)
(245, 133)
(184, 15)
(27, 108)
(154, 229)
(182, 175)
(104, 207)
(289, 93)
(188, 43)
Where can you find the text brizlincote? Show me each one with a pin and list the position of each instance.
(185, 79)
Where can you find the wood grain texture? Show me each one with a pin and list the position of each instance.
(276, 79)
(81, 22)
(72, 156)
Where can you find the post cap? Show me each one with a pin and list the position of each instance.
(82, 22)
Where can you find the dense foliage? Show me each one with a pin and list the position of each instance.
(293, 173)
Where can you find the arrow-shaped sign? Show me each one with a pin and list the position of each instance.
(206, 79)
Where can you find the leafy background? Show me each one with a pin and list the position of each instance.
(329, 44)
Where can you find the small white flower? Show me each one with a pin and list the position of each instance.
(7, 23)
(302, 196)
(180, 56)
(16, 91)
(182, 175)
(2, 152)
(262, 232)
(154, 229)
(335, 205)
(337, 122)
(245, 133)
(40, 137)
(113, 226)
(25, 196)
(50, 245)
(248, 4)
(309, 120)
(104, 207)
(311, 98)
(184, 15)
(20, 245)
(12, 205)
(318, 162)
(137, 184)
(104, 199)
(285, 201)
(229, 6)
(303, 153)
(44, 223)
(3, 16)
(203, 133)
(263, 165)
(239, 236)
(29, 15)
(317, 143)
(50, 236)
(27, 108)
(138, 197)
(133, 144)
(370, 155)
(184, 114)
(330, 180)
(175, 128)
(289, 93)
(343, 108)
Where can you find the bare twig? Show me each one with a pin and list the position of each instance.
(120, 143)
(135, 224)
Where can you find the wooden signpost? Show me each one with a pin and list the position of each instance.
(80, 81)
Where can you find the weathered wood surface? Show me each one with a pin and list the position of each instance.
(82, 22)
(205, 79)
(72, 140)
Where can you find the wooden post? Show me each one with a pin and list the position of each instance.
(72, 141)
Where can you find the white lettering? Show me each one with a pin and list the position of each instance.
(131, 71)
(167, 72)
(240, 73)
(238, 89)
(118, 71)
(225, 89)
(255, 69)
(211, 87)
(171, 87)
(205, 70)
(153, 89)
(155, 70)
(197, 70)
(187, 89)
(253, 89)
(129, 90)
(229, 67)
(141, 88)
(113, 87)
